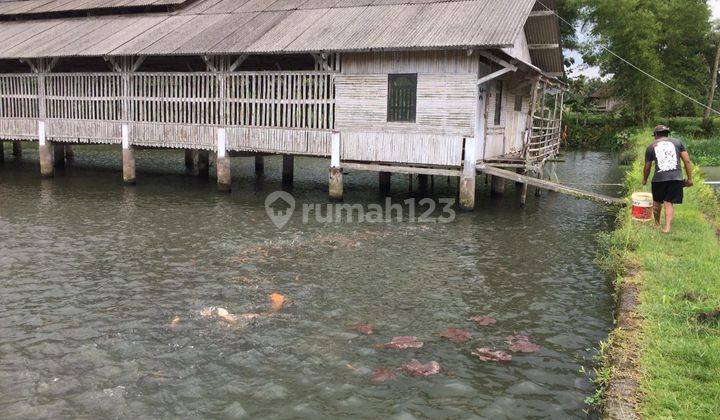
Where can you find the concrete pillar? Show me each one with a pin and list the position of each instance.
(59, 155)
(259, 164)
(189, 159)
(287, 170)
(497, 186)
(336, 184)
(336, 175)
(203, 163)
(128, 157)
(69, 152)
(45, 152)
(17, 149)
(222, 163)
(467, 178)
(385, 179)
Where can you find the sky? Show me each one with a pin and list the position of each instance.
(582, 68)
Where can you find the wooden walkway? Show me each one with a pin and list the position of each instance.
(547, 185)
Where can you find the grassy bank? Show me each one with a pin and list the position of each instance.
(705, 151)
(678, 281)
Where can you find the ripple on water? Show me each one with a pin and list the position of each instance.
(92, 275)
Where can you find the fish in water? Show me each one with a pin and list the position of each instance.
(483, 320)
(175, 322)
(487, 355)
(521, 344)
(224, 315)
(456, 335)
(402, 343)
(364, 329)
(277, 302)
(208, 312)
(415, 368)
(381, 375)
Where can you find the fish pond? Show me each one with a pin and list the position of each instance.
(171, 300)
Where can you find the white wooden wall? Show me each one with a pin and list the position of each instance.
(445, 97)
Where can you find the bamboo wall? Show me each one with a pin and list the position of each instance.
(279, 112)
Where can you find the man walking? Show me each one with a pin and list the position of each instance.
(667, 183)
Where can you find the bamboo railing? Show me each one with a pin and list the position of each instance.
(271, 111)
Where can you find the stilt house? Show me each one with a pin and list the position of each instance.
(405, 86)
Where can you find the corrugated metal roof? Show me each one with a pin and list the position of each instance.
(28, 8)
(271, 26)
(544, 29)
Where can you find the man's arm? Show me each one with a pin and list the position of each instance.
(646, 172)
(649, 159)
(688, 168)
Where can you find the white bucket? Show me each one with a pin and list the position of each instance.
(642, 206)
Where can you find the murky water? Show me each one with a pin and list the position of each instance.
(92, 273)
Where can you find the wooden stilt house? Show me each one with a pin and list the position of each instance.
(411, 86)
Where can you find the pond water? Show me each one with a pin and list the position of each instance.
(92, 274)
(712, 174)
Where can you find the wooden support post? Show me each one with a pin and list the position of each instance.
(336, 174)
(287, 170)
(259, 164)
(222, 163)
(203, 163)
(423, 183)
(523, 188)
(385, 179)
(45, 152)
(17, 149)
(128, 157)
(59, 155)
(523, 194)
(2, 151)
(467, 179)
(189, 160)
(497, 186)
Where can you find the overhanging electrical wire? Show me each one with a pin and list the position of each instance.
(634, 66)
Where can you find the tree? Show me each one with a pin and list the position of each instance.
(714, 72)
(665, 38)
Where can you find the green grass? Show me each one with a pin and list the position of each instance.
(680, 279)
(704, 152)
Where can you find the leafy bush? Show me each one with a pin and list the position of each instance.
(692, 126)
(593, 130)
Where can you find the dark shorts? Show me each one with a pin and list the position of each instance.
(668, 192)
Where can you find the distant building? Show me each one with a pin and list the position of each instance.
(605, 99)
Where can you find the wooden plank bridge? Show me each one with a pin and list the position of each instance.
(548, 185)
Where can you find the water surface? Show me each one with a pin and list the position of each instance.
(92, 274)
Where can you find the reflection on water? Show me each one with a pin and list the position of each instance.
(92, 275)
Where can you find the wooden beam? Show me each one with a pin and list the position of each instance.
(494, 75)
(400, 169)
(235, 64)
(547, 185)
(497, 60)
(543, 46)
(542, 13)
